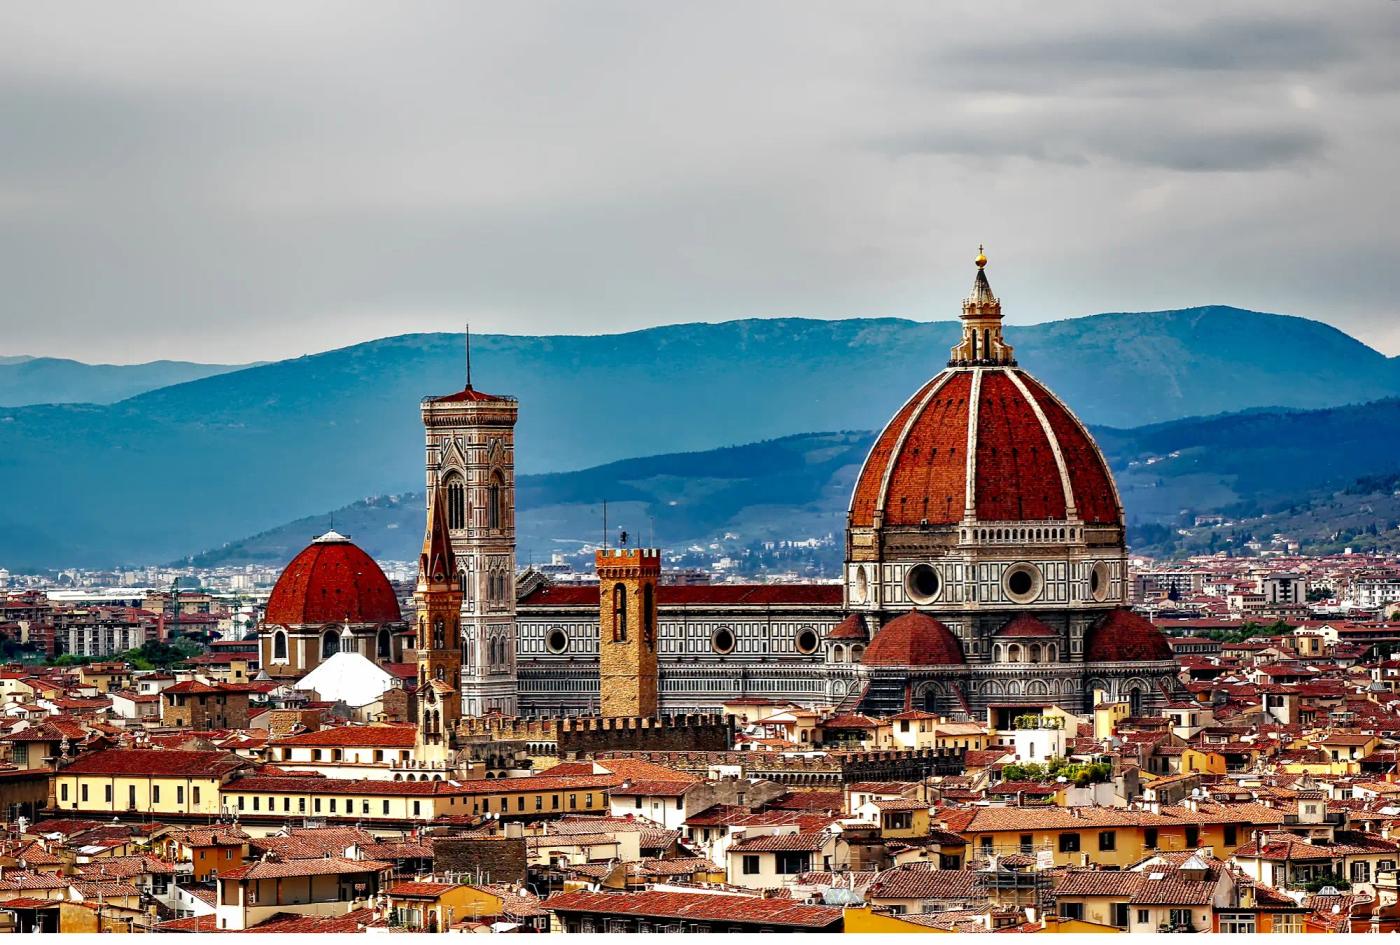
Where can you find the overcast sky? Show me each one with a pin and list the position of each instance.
(244, 181)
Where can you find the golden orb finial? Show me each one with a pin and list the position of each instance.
(981, 259)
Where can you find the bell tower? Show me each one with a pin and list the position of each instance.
(439, 630)
(470, 440)
(627, 631)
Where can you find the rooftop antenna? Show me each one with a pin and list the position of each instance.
(469, 355)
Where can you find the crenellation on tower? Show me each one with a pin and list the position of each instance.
(628, 672)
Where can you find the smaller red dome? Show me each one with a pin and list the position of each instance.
(332, 581)
(1122, 636)
(1024, 625)
(852, 628)
(914, 639)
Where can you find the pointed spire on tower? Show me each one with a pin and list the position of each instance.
(981, 301)
(437, 564)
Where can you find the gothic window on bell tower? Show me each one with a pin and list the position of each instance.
(456, 502)
(439, 634)
(495, 497)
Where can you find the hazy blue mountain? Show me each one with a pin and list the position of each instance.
(198, 464)
(1262, 468)
(790, 487)
(26, 380)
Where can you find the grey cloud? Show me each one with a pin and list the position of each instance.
(1176, 147)
(237, 182)
(1260, 43)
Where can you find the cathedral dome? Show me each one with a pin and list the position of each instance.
(983, 440)
(914, 639)
(1122, 636)
(1032, 460)
(332, 581)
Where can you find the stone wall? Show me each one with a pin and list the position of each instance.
(586, 737)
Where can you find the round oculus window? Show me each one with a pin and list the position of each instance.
(1022, 583)
(1098, 581)
(557, 641)
(807, 641)
(723, 640)
(922, 583)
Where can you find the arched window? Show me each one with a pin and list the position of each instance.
(462, 583)
(330, 644)
(383, 647)
(1014, 653)
(456, 502)
(495, 501)
(279, 645)
(649, 615)
(1035, 653)
(439, 634)
(620, 612)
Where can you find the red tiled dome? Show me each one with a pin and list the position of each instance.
(914, 639)
(1122, 636)
(917, 469)
(332, 581)
(1024, 625)
(852, 628)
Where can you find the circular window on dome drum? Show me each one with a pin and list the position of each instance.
(1098, 581)
(807, 641)
(922, 583)
(557, 641)
(723, 640)
(1022, 583)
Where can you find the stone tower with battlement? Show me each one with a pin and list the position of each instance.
(470, 440)
(627, 631)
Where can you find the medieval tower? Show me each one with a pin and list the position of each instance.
(471, 460)
(438, 637)
(627, 664)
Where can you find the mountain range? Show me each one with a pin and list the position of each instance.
(1262, 470)
(192, 466)
(26, 380)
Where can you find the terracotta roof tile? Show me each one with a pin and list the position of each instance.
(739, 910)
